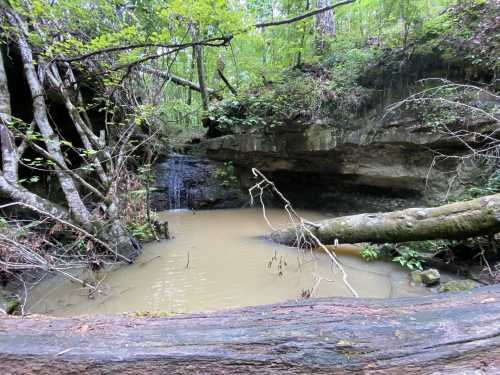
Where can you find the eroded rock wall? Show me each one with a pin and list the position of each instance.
(379, 167)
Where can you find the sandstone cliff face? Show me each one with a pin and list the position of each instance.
(386, 167)
(324, 135)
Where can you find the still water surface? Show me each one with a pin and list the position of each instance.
(219, 259)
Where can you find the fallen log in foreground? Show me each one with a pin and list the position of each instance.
(453, 221)
(452, 333)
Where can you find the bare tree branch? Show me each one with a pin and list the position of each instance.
(173, 78)
(65, 222)
(302, 231)
(302, 16)
(226, 81)
(211, 42)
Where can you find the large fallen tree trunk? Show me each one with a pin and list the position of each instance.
(459, 220)
(452, 333)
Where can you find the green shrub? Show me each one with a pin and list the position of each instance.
(227, 174)
(296, 96)
(410, 259)
(370, 252)
(491, 186)
(141, 231)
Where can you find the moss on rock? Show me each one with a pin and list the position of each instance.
(9, 302)
(457, 286)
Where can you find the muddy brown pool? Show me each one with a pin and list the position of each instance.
(219, 259)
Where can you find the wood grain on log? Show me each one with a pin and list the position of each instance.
(449, 333)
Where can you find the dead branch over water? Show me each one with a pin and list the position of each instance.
(304, 237)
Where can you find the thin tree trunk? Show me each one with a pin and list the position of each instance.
(303, 37)
(78, 121)
(198, 52)
(9, 186)
(219, 73)
(325, 26)
(226, 81)
(459, 220)
(191, 77)
(7, 141)
(110, 229)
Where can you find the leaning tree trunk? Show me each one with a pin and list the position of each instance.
(11, 153)
(198, 54)
(112, 232)
(444, 334)
(51, 140)
(459, 220)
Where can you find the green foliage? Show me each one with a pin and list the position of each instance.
(491, 186)
(254, 56)
(141, 231)
(30, 180)
(301, 95)
(466, 35)
(145, 174)
(409, 258)
(370, 252)
(3, 223)
(411, 255)
(227, 174)
(294, 98)
(345, 64)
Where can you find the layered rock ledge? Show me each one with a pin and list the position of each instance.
(396, 160)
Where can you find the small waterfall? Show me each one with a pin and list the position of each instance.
(180, 177)
(186, 182)
(175, 182)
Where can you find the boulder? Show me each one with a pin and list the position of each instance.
(430, 276)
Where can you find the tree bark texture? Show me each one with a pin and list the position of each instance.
(77, 118)
(7, 142)
(443, 334)
(9, 186)
(324, 25)
(19, 193)
(459, 220)
(198, 52)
